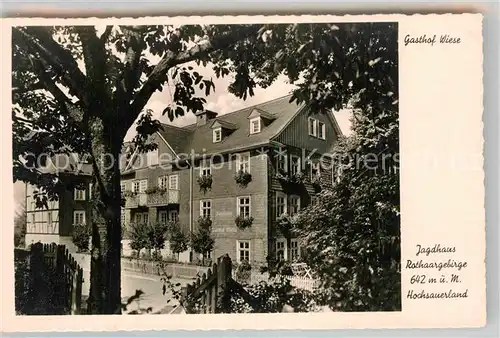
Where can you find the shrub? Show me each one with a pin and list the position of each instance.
(284, 225)
(243, 272)
(242, 178)
(138, 235)
(205, 182)
(81, 236)
(243, 222)
(201, 241)
(204, 222)
(178, 241)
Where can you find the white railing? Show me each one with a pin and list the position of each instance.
(303, 283)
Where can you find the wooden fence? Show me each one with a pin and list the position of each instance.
(209, 292)
(52, 281)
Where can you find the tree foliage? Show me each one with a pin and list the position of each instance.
(20, 227)
(80, 91)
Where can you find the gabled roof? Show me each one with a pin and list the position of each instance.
(198, 138)
(224, 124)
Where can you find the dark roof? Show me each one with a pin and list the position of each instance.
(199, 138)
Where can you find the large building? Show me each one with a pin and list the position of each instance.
(277, 143)
(243, 171)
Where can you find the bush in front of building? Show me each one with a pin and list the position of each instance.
(81, 237)
(178, 240)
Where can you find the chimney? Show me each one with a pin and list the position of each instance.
(203, 117)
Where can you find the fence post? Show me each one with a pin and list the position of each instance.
(223, 277)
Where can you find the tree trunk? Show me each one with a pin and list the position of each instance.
(105, 277)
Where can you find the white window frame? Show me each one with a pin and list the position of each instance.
(290, 199)
(257, 125)
(79, 194)
(315, 165)
(90, 190)
(163, 182)
(280, 157)
(143, 185)
(143, 219)
(123, 187)
(135, 186)
(297, 158)
(173, 182)
(161, 214)
(152, 157)
(207, 255)
(122, 216)
(205, 168)
(285, 203)
(292, 249)
(80, 213)
(204, 207)
(170, 215)
(243, 159)
(217, 135)
(321, 130)
(312, 130)
(239, 205)
(281, 241)
(239, 249)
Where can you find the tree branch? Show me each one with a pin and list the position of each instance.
(40, 43)
(171, 59)
(94, 55)
(105, 36)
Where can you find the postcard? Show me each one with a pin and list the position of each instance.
(243, 172)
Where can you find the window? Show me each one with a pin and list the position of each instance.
(294, 205)
(78, 217)
(123, 187)
(173, 216)
(337, 173)
(255, 125)
(143, 185)
(135, 186)
(79, 195)
(173, 182)
(243, 253)
(315, 170)
(313, 127)
(294, 165)
(152, 157)
(280, 249)
(142, 217)
(122, 217)
(90, 190)
(205, 208)
(314, 200)
(163, 217)
(243, 162)
(207, 255)
(217, 135)
(281, 160)
(280, 204)
(205, 169)
(316, 128)
(294, 250)
(321, 130)
(243, 206)
(162, 182)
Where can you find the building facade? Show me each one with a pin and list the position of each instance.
(246, 171)
(53, 223)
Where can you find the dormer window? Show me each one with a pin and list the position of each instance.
(217, 135)
(255, 125)
(259, 119)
